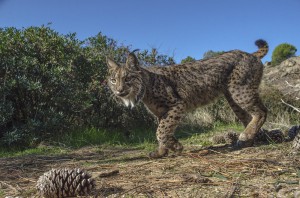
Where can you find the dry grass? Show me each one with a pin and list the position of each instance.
(264, 171)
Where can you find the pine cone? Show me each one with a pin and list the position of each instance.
(228, 138)
(296, 143)
(231, 137)
(218, 139)
(66, 182)
(275, 136)
(293, 131)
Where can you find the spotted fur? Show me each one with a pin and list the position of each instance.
(169, 92)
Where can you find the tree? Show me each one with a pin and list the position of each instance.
(153, 57)
(188, 59)
(283, 52)
(211, 53)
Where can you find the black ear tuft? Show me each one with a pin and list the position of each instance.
(132, 62)
(136, 50)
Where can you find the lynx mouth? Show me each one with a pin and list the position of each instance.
(122, 94)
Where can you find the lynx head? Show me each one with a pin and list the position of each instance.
(125, 80)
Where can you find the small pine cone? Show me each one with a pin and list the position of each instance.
(296, 143)
(293, 131)
(66, 182)
(261, 136)
(218, 139)
(231, 137)
(275, 136)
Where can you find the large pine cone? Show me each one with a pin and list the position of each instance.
(273, 136)
(218, 139)
(228, 137)
(231, 137)
(58, 183)
(293, 131)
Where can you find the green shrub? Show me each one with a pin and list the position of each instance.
(188, 59)
(37, 75)
(211, 53)
(52, 83)
(283, 52)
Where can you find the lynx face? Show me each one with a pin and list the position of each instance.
(125, 81)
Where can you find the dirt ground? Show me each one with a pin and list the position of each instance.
(263, 171)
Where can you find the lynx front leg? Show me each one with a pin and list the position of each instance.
(165, 132)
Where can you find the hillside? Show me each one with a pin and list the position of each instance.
(285, 77)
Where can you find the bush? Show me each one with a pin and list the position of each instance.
(210, 54)
(188, 59)
(283, 52)
(37, 75)
(53, 83)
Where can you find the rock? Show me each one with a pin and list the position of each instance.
(285, 77)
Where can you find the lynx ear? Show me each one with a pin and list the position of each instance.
(132, 62)
(111, 64)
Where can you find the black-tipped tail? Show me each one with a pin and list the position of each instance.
(263, 48)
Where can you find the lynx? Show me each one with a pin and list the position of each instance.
(169, 92)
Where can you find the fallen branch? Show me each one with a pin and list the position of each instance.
(295, 108)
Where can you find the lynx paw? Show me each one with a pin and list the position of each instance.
(177, 148)
(158, 153)
(243, 144)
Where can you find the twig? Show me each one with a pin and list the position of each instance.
(278, 124)
(294, 86)
(109, 174)
(261, 160)
(295, 108)
(132, 189)
(230, 193)
(234, 188)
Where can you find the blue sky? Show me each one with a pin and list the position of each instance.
(176, 27)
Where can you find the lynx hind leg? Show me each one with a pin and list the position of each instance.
(240, 113)
(259, 115)
(250, 109)
(165, 132)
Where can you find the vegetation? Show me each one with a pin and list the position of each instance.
(188, 59)
(283, 52)
(53, 83)
(211, 53)
(53, 89)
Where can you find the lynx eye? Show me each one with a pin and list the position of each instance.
(113, 81)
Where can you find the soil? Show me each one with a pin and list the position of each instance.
(261, 171)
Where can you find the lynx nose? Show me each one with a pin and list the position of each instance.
(120, 91)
